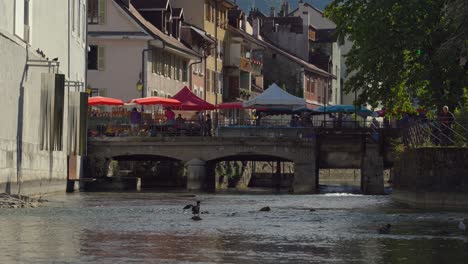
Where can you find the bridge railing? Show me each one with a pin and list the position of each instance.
(121, 127)
(420, 132)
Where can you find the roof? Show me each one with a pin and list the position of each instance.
(144, 4)
(320, 21)
(154, 31)
(307, 66)
(247, 36)
(275, 97)
(191, 102)
(200, 32)
(227, 3)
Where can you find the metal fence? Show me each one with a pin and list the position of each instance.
(427, 132)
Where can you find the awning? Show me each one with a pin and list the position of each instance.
(100, 100)
(345, 109)
(230, 105)
(191, 102)
(276, 98)
(154, 100)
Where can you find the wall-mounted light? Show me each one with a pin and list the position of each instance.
(139, 86)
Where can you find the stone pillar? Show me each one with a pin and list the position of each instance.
(372, 170)
(196, 177)
(305, 178)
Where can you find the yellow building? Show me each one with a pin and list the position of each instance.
(210, 16)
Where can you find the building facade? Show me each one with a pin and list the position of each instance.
(243, 64)
(210, 16)
(136, 49)
(200, 42)
(308, 35)
(293, 73)
(42, 75)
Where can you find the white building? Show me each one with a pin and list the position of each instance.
(127, 38)
(322, 45)
(42, 71)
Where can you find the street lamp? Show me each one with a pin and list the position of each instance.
(139, 86)
(89, 91)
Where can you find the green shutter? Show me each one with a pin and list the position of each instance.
(102, 11)
(101, 58)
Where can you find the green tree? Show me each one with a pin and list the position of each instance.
(401, 54)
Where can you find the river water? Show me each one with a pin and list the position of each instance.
(153, 228)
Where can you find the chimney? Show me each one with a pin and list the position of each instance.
(272, 12)
(304, 13)
(285, 8)
(256, 27)
(244, 23)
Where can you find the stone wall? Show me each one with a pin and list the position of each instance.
(432, 177)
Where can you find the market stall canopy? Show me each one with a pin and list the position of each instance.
(345, 109)
(155, 100)
(234, 105)
(191, 102)
(275, 97)
(100, 100)
(230, 105)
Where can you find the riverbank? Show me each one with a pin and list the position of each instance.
(18, 201)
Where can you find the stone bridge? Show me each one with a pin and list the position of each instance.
(199, 154)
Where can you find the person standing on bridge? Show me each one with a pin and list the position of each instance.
(201, 123)
(208, 125)
(446, 119)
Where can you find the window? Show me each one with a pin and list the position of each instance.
(96, 58)
(166, 64)
(171, 63)
(208, 11)
(93, 57)
(79, 19)
(213, 80)
(208, 80)
(154, 93)
(84, 22)
(22, 19)
(96, 11)
(184, 71)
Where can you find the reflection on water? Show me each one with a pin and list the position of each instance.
(152, 228)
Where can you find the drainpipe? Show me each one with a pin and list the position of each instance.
(143, 69)
(69, 33)
(190, 70)
(216, 63)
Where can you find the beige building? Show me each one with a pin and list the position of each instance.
(210, 16)
(135, 49)
(42, 76)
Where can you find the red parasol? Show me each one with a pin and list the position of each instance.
(99, 100)
(154, 100)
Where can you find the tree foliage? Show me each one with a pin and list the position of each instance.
(405, 53)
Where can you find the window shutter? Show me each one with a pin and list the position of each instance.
(101, 58)
(102, 12)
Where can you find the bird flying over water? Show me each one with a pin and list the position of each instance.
(195, 208)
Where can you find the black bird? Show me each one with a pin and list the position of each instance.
(55, 59)
(385, 229)
(195, 208)
(265, 209)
